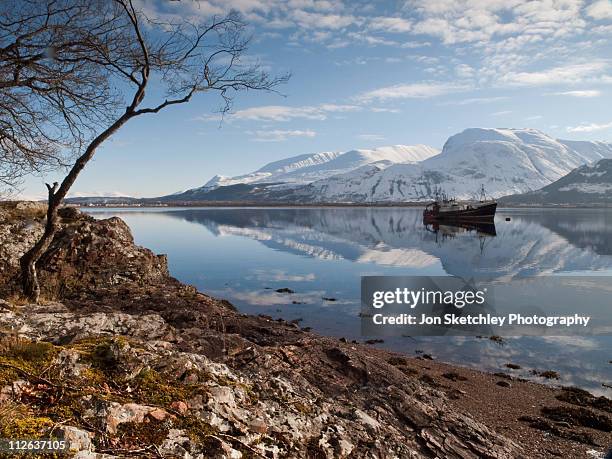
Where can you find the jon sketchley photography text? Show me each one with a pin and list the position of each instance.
(482, 319)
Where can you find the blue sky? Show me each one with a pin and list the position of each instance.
(368, 74)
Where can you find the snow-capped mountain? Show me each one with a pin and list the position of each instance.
(588, 184)
(505, 161)
(303, 169)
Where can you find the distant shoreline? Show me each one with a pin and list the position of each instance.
(328, 205)
(238, 204)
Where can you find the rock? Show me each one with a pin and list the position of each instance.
(503, 383)
(70, 327)
(78, 439)
(177, 444)
(180, 407)
(31, 206)
(13, 391)
(92, 455)
(68, 362)
(69, 213)
(259, 426)
(131, 412)
(158, 414)
(222, 394)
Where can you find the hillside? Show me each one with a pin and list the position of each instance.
(585, 185)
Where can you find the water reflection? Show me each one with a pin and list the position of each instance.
(246, 255)
(532, 243)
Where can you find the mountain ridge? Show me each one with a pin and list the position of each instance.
(303, 169)
(590, 184)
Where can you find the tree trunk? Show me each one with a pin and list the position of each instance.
(29, 275)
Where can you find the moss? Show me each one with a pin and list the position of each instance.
(7, 375)
(200, 433)
(150, 432)
(153, 388)
(26, 427)
(35, 353)
(29, 356)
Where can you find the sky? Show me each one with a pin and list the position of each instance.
(367, 74)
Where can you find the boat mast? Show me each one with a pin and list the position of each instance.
(483, 196)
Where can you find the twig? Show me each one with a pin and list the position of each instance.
(40, 379)
(229, 437)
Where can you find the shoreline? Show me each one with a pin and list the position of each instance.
(272, 205)
(420, 406)
(323, 205)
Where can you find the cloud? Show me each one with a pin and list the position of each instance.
(601, 9)
(567, 74)
(371, 137)
(278, 135)
(310, 20)
(583, 93)
(410, 91)
(502, 113)
(390, 24)
(287, 113)
(590, 127)
(464, 21)
(384, 110)
(534, 118)
(475, 100)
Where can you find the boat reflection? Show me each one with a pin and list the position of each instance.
(454, 228)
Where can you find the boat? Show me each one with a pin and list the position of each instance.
(449, 209)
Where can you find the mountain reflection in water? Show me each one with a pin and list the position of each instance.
(246, 254)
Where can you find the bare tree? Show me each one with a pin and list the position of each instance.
(50, 97)
(115, 51)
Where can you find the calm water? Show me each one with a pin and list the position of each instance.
(244, 255)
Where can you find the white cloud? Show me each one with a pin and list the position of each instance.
(286, 113)
(534, 118)
(371, 137)
(310, 20)
(583, 93)
(502, 113)
(601, 9)
(370, 39)
(390, 24)
(475, 100)
(463, 21)
(590, 127)
(384, 110)
(410, 91)
(279, 135)
(98, 194)
(567, 74)
(465, 71)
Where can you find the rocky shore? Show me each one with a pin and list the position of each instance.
(123, 360)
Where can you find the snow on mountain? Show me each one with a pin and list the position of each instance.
(587, 184)
(505, 161)
(303, 169)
